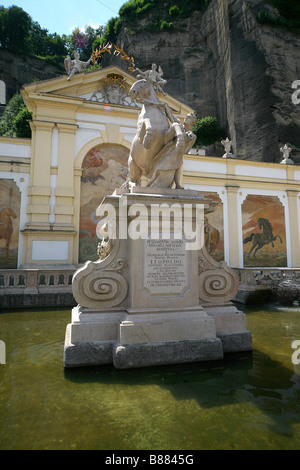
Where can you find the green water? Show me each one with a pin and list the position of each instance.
(248, 401)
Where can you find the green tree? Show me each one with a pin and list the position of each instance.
(91, 40)
(15, 119)
(15, 27)
(38, 39)
(21, 123)
(111, 31)
(43, 44)
(207, 131)
(20, 34)
(55, 45)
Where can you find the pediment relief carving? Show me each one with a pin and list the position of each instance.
(112, 89)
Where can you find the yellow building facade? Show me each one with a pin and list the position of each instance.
(82, 131)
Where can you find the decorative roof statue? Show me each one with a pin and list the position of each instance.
(286, 150)
(227, 145)
(154, 76)
(76, 65)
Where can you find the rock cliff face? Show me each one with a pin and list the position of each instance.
(226, 64)
(17, 71)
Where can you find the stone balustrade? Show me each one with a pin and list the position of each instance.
(50, 287)
(36, 287)
(261, 284)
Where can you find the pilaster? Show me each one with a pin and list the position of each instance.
(39, 191)
(64, 209)
(294, 227)
(233, 226)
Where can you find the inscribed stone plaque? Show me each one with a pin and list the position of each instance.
(165, 267)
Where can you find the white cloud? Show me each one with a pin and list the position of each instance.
(82, 28)
(94, 26)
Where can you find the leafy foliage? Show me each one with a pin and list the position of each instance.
(135, 9)
(207, 131)
(15, 119)
(288, 17)
(110, 33)
(29, 38)
(15, 25)
(21, 123)
(166, 15)
(84, 42)
(160, 15)
(20, 34)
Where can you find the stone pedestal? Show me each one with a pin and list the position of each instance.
(157, 297)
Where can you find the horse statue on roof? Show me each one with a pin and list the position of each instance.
(161, 139)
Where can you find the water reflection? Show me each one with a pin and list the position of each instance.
(251, 377)
(247, 401)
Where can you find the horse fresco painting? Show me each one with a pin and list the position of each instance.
(104, 168)
(259, 240)
(9, 223)
(214, 228)
(264, 240)
(6, 227)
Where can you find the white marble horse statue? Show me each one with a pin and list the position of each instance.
(160, 141)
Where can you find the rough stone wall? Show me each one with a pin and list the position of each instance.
(17, 71)
(226, 64)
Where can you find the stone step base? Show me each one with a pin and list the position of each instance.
(153, 354)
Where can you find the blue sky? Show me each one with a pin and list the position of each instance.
(62, 16)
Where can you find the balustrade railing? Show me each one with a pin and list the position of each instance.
(35, 281)
(59, 281)
(260, 277)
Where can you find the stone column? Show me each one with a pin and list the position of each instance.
(76, 216)
(233, 226)
(294, 227)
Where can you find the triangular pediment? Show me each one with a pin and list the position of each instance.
(85, 85)
(109, 85)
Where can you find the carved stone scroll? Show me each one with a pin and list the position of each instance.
(101, 284)
(217, 282)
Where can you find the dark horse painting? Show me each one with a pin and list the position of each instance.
(260, 239)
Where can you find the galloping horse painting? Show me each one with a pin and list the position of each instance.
(261, 239)
(263, 231)
(9, 223)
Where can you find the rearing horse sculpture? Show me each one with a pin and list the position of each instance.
(157, 148)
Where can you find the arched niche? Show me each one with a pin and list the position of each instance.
(214, 227)
(104, 168)
(263, 231)
(10, 204)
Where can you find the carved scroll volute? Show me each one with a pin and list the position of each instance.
(217, 281)
(101, 284)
